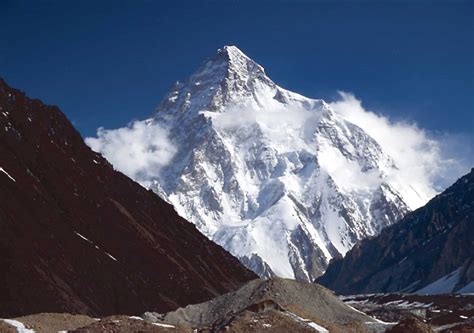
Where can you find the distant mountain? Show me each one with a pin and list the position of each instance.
(77, 236)
(280, 180)
(430, 251)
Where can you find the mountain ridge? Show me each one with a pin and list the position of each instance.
(80, 237)
(428, 251)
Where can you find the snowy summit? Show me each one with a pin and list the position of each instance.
(280, 180)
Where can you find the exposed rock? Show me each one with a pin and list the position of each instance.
(54, 322)
(430, 251)
(411, 324)
(77, 236)
(125, 324)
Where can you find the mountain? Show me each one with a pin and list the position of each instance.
(77, 236)
(280, 180)
(430, 251)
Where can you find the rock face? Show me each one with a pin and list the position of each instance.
(77, 236)
(430, 251)
(263, 171)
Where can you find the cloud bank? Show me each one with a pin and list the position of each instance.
(139, 150)
(427, 161)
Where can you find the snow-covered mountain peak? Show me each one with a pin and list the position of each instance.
(225, 78)
(280, 180)
(233, 55)
(232, 50)
(239, 64)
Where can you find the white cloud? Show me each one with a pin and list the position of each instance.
(427, 161)
(289, 127)
(139, 150)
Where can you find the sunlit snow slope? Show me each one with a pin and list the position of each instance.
(280, 180)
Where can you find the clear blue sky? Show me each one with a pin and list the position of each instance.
(105, 63)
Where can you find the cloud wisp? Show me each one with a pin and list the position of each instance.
(428, 161)
(139, 150)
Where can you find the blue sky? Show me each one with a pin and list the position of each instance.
(105, 63)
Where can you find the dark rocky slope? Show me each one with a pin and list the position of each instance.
(425, 246)
(77, 236)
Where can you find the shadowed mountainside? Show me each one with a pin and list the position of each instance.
(429, 251)
(77, 236)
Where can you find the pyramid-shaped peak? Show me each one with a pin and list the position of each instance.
(228, 76)
(232, 50)
(229, 66)
(235, 58)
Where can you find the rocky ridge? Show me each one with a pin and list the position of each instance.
(78, 236)
(430, 251)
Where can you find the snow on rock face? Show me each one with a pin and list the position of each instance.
(460, 281)
(7, 174)
(20, 327)
(444, 285)
(280, 180)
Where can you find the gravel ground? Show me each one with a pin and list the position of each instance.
(307, 300)
(54, 322)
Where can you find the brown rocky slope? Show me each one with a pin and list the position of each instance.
(78, 237)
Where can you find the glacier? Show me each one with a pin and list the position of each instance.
(281, 181)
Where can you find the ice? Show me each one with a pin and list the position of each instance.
(95, 246)
(467, 289)
(110, 256)
(20, 327)
(317, 327)
(308, 322)
(444, 285)
(163, 325)
(6, 173)
(84, 238)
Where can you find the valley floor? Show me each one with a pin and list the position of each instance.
(444, 313)
(277, 306)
